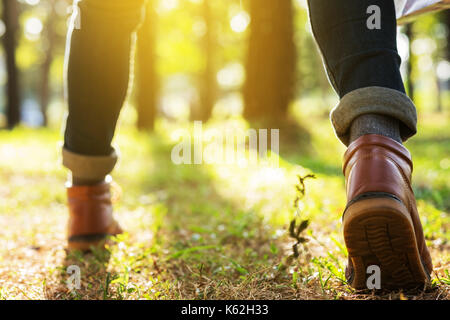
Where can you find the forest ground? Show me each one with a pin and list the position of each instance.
(204, 231)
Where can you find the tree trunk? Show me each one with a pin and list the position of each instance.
(45, 90)
(439, 93)
(271, 61)
(446, 14)
(446, 19)
(10, 19)
(147, 83)
(409, 67)
(208, 87)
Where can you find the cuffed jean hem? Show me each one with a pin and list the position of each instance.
(89, 167)
(374, 100)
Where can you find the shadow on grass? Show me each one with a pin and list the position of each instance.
(429, 151)
(296, 147)
(95, 279)
(208, 246)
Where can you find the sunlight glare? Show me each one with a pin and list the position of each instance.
(232, 75)
(167, 5)
(33, 28)
(32, 2)
(443, 70)
(240, 22)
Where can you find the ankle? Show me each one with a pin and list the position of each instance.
(375, 124)
(77, 181)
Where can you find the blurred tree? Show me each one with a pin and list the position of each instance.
(208, 87)
(147, 83)
(442, 22)
(446, 20)
(10, 19)
(50, 42)
(409, 67)
(271, 61)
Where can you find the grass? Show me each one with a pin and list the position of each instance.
(204, 232)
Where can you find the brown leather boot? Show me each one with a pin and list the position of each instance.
(90, 220)
(381, 222)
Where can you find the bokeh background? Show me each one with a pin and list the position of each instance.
(206, 231)
(198, 59)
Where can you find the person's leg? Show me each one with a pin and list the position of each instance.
(374, 115)
(98, 63)
(361, 60)
(97, 66)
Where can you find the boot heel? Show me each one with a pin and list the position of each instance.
(380, 232)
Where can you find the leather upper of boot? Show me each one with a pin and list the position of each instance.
(90, 210)
(375, 165)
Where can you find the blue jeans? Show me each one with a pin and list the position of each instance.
(362, 63)
(98, 66)
(355, 56)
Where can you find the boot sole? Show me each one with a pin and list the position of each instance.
(380, 232)
(85, 243)
(86, 246)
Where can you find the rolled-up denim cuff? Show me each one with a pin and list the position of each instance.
(374, 100)
(89, 167)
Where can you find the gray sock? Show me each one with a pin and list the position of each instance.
(375, 124)
(86, 182)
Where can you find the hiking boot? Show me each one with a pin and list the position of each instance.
(381, 223)
(91, 220)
